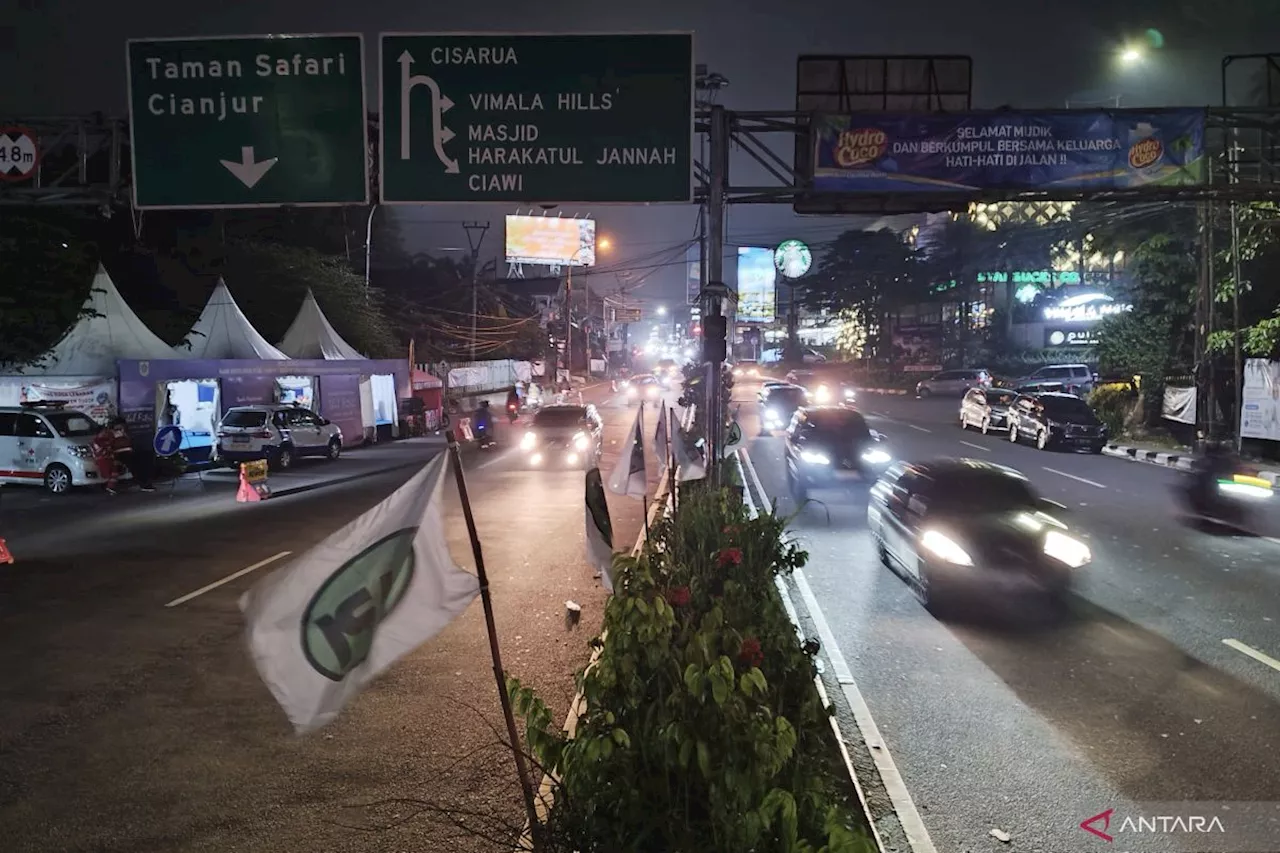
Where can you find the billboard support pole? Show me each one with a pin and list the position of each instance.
(475, 236)
(718, 180)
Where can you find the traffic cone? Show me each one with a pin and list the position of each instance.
(5, 556)
(247, 493)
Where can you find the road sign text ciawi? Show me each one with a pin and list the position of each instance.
(526, 132)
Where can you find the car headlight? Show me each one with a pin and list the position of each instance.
(79, 450)
(823, 394)
(631, 391)
(771, 416)
(581, 441)
(876, 456)
(527, 441)
(945, 548)
(815, 458)
(849, 393)
(1066, 549)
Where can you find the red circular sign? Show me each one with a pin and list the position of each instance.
(19, 154)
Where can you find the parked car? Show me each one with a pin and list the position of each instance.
(829, 445)
(1056, 420)
(953, 382)
(279, 434)
(1075, 378)
(943, 523)
(46, 443)
(987, 409)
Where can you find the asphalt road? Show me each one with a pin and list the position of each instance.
(129, 725)
(1006, 717)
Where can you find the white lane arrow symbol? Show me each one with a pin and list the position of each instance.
(248, 171)
(439, 104)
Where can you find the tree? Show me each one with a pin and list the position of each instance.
(1258, 242)
(861, 277)
(45, 270)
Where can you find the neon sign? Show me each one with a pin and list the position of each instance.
(1086, 308)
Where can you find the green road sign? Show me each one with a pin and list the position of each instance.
(248, 121)
(560, 118)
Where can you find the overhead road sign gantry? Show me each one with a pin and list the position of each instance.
(248, 121)
(536, 118)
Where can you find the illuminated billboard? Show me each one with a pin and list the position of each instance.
(757, 279)
(551, 240)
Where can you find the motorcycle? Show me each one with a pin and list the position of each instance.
(1227, 500)
(484, 438)
(513, 412)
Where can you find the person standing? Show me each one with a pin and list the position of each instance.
(104, 456)
(122, 448)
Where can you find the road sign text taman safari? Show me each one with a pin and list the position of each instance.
(248, 121)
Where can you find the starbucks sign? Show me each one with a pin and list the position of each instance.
(792, 258)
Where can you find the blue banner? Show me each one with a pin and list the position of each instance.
(1046, 151)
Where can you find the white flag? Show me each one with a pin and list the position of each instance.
(661, 448)
(322, 627)
(690, 468)
(599, 529)
(628, 477)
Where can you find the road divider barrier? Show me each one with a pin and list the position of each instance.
(463, 430)
(253, 482)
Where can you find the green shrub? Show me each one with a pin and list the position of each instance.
(703, 730)
(1112, 403)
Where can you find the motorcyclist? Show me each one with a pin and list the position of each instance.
(1218, 462)
(513, 404)
(482, 423)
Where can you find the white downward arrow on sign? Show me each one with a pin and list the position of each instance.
(247, 171)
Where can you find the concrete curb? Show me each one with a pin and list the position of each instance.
(349, 478)
(1181, 461)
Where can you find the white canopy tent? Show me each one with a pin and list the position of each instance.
(80, 369)
(223, 332)
(312, 336)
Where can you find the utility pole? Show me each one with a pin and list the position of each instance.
(568, 325)
(714, 323)
(475, 237)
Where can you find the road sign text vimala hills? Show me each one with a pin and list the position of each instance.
(571, 118)
(248, 121)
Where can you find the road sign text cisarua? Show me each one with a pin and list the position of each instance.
(589, 118)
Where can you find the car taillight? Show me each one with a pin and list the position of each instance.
(264, 433)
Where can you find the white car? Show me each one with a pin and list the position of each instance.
(45, 443)
(279, 434)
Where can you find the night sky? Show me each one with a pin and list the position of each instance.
(67, 57)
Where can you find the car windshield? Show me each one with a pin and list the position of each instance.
(1066, 407)
(244, 418)
(1000, 398)
(72, 424)
(787, 396)
(838, 424)
(980, 493)
(565, 416)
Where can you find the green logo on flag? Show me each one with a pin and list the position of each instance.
(338, 624)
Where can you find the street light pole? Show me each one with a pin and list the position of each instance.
(368, 249)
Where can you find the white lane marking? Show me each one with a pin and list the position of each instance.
(976, 446)
(903, 805)
(1074, 477)
(922, 429)
(838, 664)
(1273, 540)
(1260, 657)
(228, 579)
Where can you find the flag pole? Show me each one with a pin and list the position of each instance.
(522, 770)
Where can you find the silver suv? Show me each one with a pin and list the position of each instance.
(278, 434)
(1075, 379)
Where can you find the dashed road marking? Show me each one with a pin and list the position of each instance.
(922, 429)
(1074, 477)
(976, 446)
(1260, 657)
(228, 579)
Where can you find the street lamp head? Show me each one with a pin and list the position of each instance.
(1131, 56)
(604, 244)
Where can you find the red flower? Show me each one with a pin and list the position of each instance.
(750, 653)
(677, 596)
(729, 557)
(730, 530)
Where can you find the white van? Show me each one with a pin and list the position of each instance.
(45, 443)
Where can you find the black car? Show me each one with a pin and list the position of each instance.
(563, 437)
(830, 444)
(779, 404)
(942, 523)
(1056, 420)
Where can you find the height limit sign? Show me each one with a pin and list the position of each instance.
(557, 118)
(19, 154)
